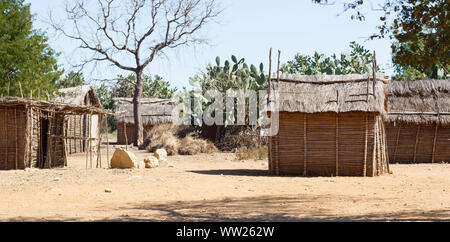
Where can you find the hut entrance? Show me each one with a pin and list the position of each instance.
(43, 138)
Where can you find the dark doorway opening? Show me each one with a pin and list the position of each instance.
(43, 139)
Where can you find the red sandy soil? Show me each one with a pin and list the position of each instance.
(216, 187)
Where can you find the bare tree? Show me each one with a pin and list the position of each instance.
(131, 33)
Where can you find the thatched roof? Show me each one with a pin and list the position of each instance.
(154, 110)
(425, 101)
(78, 96)
(51, 106)
(319, 93)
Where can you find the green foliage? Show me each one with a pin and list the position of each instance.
(26, 60)
(72, 79)
(420, 27)
(231, 75)
(359, 60)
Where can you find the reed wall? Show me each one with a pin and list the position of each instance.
(329, 144)
(418, 143)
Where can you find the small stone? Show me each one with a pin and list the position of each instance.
(108, 190)
(161, 155)
(151, 162)
(56, 179)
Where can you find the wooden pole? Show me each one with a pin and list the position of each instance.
(90, 141)
(374, 72)
(6, 137)
(337, 134)
(99, 141)
(20, 87)
(386, 148)
(396, 142)
(337, 144)
(17, 138)
(436, 130)
(434, 141)
(107, 142)
(415, 144)
(365, 146)
(31, 137)
(305, 146)
(269, 81)
(268, 102)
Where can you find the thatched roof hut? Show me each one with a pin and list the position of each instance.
(33, 132)
(77, 124)
(154, 111)
(329, 125)
(418, 126)
(81, 95)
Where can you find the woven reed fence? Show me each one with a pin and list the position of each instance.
(324, 144)
(418, 143)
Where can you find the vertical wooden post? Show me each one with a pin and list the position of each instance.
(31, 137)
(396, 142)
(16, 127)
(386, 148)
(6, 137)
(99, 140)
(415, 144)
(374, 72)
(305, 145)
(107, 142)
(90, 140)
(365, 145)
(434, 141)
(337, 133)
(436, 130)
(82, 141)
(85, 138)
(337, 144)
(268, 103)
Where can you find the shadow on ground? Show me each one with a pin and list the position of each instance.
(235, 172)
(259, 209)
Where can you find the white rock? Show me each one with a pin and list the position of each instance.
(124, 159)
(151, 162)
(56, 179)
(161, 155)
(108, 190)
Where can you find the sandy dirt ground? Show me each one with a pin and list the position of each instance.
(216, 187)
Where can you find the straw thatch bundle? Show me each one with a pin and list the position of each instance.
(419, 121)
(329, 125)
(419, 101)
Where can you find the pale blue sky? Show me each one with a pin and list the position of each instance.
(247, 29)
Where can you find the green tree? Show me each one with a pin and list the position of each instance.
(359, 60)
(420, 27)
(72, 79)
(26, 60)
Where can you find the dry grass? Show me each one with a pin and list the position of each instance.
(254, 153)
(193, 146)
(177, 140)
(163, 136)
